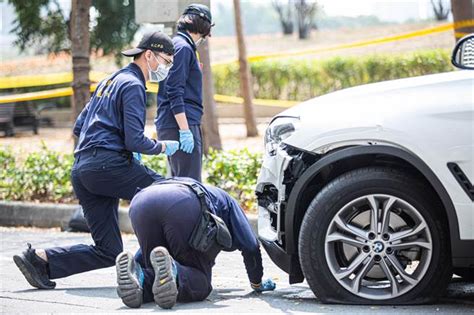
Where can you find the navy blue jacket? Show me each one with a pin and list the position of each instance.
(243, 237)
(181, 91)
(115, 116)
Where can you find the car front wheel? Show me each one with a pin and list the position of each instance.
(375, 236)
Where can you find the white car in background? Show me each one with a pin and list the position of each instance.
(367, 192)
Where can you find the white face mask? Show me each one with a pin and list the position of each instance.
(159, 74)
(200, 41)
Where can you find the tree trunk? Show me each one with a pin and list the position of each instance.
(80, 49)
(287, 28)
(305, 13)
(462, 11)
(245, 78)
(210, 127)
(440, 11)
(285, 14)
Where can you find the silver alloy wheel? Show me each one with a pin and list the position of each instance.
(378, 247)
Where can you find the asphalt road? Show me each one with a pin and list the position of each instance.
(95, 291)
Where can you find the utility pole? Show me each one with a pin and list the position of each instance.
(245, 77)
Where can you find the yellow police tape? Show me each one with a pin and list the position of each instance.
(44, 79)
(153, 88)
(423, 32)
(63, 78)
(459, 35)
(41, 95)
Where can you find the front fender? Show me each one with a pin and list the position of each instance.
(294, 213)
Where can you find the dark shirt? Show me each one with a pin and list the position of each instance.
(243, 237)
(114, 118)
(181, 91)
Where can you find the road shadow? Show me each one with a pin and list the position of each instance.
(101, 292)
(459, 291)
(216, 296)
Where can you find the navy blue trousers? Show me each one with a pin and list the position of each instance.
(165, 215)
(100, 178)
(185, 164)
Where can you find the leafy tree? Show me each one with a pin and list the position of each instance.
(40, 24)
(44, 25)
(115, 27)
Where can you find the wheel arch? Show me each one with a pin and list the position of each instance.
(337, 162)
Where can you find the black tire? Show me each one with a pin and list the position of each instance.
(348, 187)
(466, 274)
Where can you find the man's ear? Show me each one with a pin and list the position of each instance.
(147, 54)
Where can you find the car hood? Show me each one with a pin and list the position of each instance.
(363, 112)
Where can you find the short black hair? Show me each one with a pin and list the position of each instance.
(193, 24)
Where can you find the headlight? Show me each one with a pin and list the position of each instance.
(280, 129)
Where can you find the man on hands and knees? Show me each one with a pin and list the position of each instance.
(168, 218)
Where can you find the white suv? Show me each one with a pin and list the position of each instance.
(367, 192)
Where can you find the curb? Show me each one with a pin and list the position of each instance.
(49, 215)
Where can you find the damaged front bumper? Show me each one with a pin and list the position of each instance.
(279, 172)
(271, 196)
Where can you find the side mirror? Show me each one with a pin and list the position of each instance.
(463, 53)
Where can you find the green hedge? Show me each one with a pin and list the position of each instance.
(44, 176)
(302, 79)
(236, 172)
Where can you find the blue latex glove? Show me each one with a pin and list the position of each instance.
(267, 285)
(137, 156)
(171, 147)
(187, 141)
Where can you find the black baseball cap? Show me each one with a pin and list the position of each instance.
(201, 10)
(156, 41)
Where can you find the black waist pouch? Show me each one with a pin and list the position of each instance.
(210, 235)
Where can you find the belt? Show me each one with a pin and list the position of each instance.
(94, 151)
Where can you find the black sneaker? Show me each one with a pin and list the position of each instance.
(130, 279)
(34, 269)
(165, 290)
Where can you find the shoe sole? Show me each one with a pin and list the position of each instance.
(128, 289)
(29, 272)
(164, 287)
